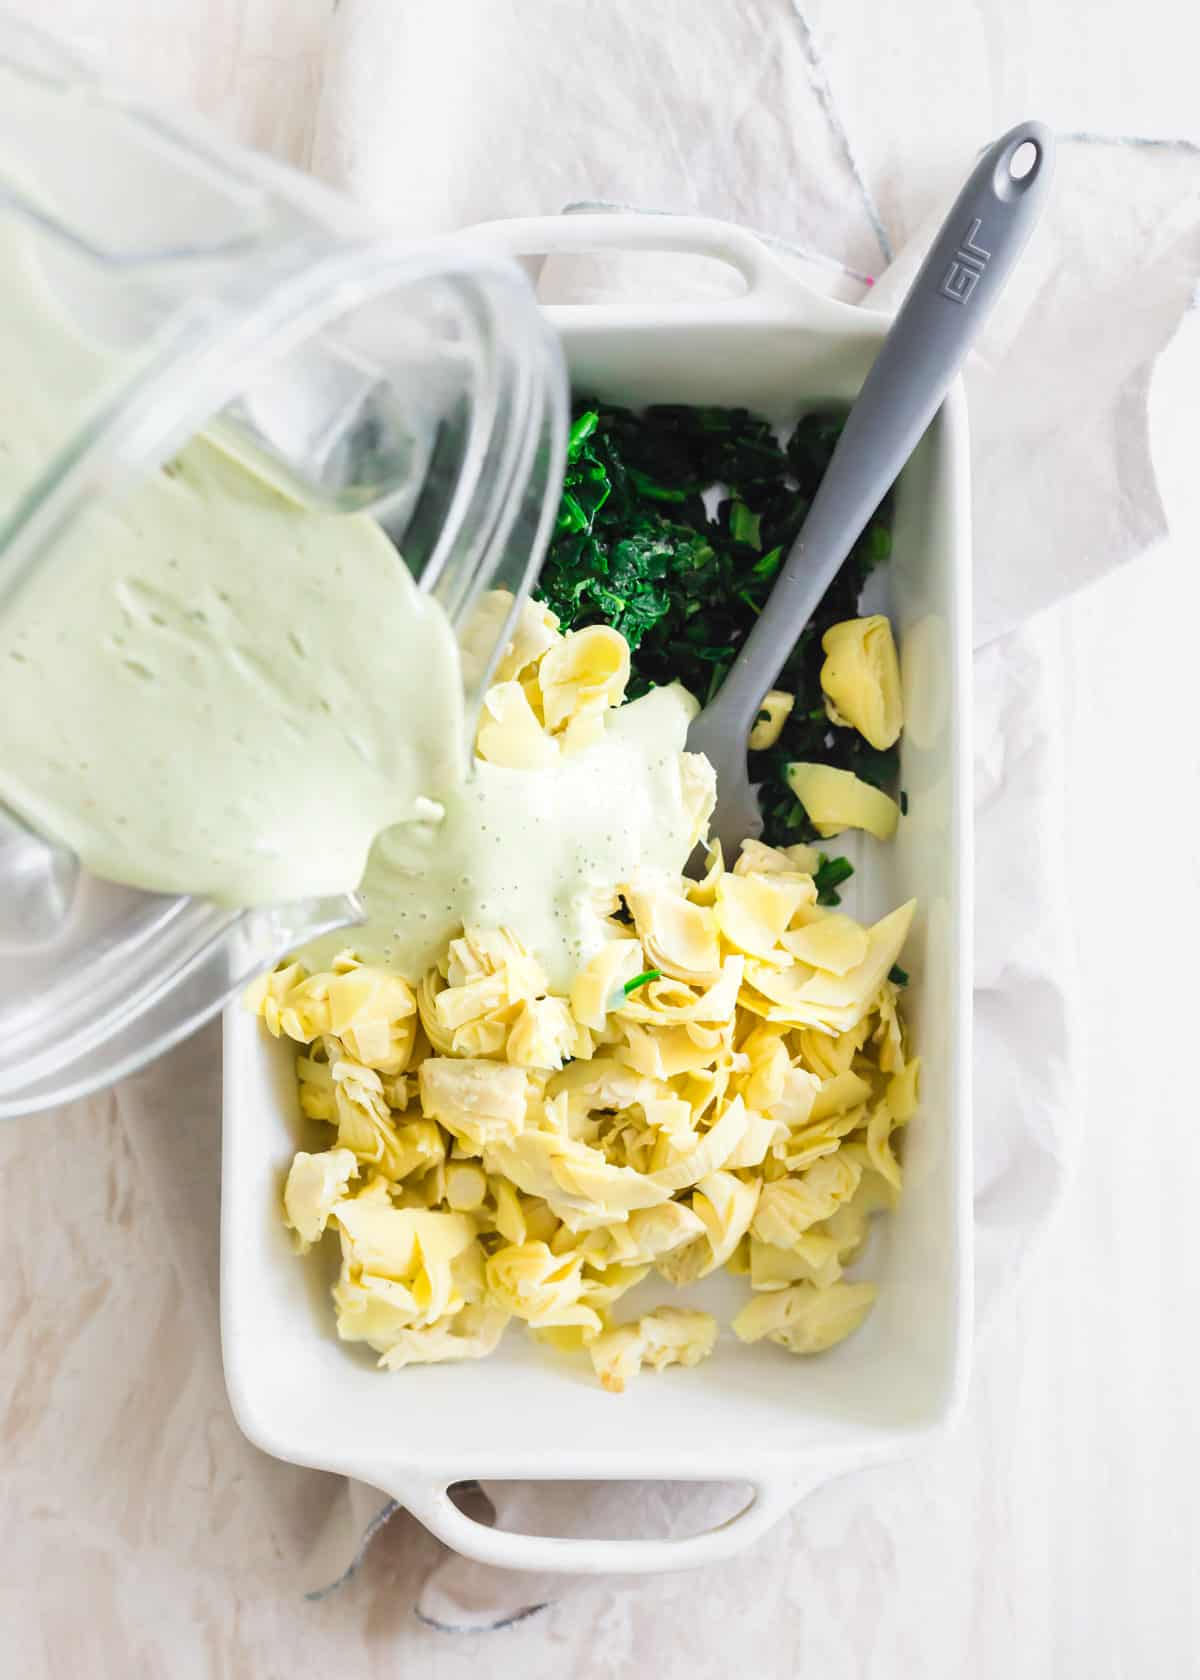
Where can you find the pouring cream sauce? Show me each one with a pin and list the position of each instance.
(539, 851)
(210, 689)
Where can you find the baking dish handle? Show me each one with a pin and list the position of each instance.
(431, 1504)
(773, 289)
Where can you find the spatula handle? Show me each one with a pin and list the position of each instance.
(938, 322)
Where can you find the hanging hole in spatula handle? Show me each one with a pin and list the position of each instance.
(986, 230)
(1020, 167)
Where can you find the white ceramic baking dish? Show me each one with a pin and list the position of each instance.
(754, 1415)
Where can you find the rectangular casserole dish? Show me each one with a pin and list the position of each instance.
(754, 1415)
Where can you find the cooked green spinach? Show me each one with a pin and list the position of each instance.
(828, 877)
(673, 524)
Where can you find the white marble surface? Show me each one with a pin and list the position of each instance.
(1056, 1535)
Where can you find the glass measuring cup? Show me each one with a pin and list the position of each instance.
(361, 373)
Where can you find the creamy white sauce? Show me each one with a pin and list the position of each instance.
(537, 851)
(209, 689)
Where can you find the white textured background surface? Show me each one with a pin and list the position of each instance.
(1057, 1535)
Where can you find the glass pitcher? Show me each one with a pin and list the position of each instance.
(361, 372)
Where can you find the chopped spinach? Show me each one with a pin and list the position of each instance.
(635, 546)
(829, 875)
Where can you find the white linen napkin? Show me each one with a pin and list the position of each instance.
(439, 116)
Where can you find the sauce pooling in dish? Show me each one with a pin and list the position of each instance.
(538, 851)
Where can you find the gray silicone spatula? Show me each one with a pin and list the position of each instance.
(937, 324)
